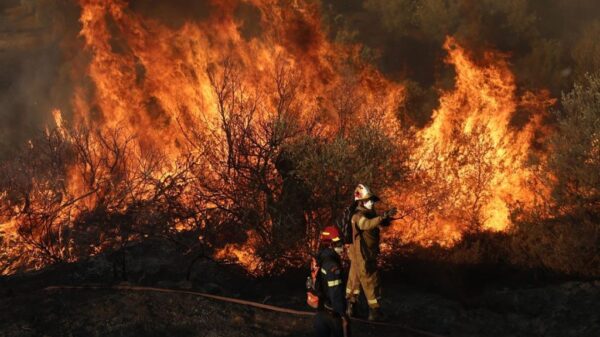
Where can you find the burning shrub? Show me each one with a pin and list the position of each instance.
(563, 235)
(330, 167)
(37, 201)
(254, 154)
(244, 154)
(470, 162)
(280, 174)
(75, 192)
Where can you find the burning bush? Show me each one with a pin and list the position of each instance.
(74, 192)
(562, 233)
(244, 185)
(37, 202)
(330, 167)
(247, 129)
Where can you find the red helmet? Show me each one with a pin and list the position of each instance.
(330, 235)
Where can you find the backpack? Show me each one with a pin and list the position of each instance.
(344, 223)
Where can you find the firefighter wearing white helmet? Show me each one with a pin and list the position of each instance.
(363, 252)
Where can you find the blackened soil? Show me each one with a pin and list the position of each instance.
(87, 312)
(565, 308)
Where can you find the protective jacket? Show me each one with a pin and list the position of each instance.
(363, 253)
(332, 286)
(332, 303)
(365, 233)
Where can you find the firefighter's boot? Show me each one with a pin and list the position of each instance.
(376, 315)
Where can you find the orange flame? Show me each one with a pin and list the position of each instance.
(152, 78)
(470, 155)
(153, 81)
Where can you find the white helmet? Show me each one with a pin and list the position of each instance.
(363, 193)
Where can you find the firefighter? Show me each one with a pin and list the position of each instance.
(363, 252)
(331, 319)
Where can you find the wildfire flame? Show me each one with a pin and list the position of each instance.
(472, 159)
(151, 82)
(153, 78)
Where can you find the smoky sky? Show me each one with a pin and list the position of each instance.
(36, 40)
(551, 44)
(42, 56)
(174, 13)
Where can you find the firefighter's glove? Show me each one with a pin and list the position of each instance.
(388, 215)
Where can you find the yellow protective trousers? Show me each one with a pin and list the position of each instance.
(363, 260)
(363, 274)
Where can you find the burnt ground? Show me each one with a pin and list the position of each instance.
(565, 308)
(125, 313)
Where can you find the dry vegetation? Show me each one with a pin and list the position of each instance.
(269, 175)
(282, 181)
(270, 172)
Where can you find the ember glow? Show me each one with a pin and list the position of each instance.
(166, 92)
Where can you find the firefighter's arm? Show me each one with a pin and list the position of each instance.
(363, 223)
(336, 289)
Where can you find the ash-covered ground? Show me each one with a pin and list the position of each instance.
(27, 308)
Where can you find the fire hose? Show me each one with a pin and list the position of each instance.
(237, 301)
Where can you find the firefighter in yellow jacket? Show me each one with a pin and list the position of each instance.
(363, 252)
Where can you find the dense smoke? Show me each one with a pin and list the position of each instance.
(37, 44)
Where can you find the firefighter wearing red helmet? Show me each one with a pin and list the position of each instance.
(326, 287)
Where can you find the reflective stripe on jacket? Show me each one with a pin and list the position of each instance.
(333, 286)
